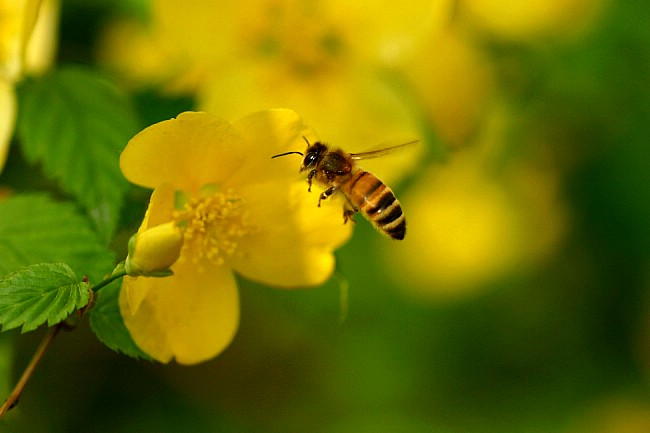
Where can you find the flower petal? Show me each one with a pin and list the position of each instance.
(189, 151)
(41, 45)
(191, 316)
(7, 118)
(373, 114)
(269, 133)
(278, 129)
(298, 251)
(160, 210)
(161, 207)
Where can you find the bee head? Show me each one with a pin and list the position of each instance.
(312, 154)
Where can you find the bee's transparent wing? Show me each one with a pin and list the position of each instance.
(381, 152)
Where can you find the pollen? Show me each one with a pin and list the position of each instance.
(213, 226)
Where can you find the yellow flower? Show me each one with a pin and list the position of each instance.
(471, 224)
(325, 59)
(7, 118)
(454, 83)
(27, 40)
(517, 20)
(240, 211)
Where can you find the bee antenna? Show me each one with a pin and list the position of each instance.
(306, 141)
(287, 153)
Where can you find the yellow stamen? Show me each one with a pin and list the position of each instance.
(214, 224)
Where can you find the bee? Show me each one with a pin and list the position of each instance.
(337, 171)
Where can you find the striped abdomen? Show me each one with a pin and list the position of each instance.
(377, 202)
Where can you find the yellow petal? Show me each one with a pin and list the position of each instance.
(189, 151)
(388, 32)
(276, 129)
(189, 26)
(136, 53)
(469, 228)
(27, 36)
(41, 46)
(268, 133)
(191, 316)
(7, 119)
(454, 83)
(354, 110)
(15, 26)
(295, 242)
(161, 206)
(524, 20)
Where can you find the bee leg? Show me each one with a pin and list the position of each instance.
(328, 192)
(310, 176)
(348, 214)
(348, 211)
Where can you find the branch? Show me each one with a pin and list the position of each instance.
(13, 398)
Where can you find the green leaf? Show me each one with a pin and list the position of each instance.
(107, 324)
(36, 229)
(75, 123)
(46, 292)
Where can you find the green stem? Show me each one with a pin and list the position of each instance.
(13, 398)
(118, 272)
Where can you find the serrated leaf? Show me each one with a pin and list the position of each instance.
(75, 123)
(45, 292)
(107, 324)
(36, 229)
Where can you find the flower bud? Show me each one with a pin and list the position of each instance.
(153, 251)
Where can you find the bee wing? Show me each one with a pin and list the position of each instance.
(380, 152)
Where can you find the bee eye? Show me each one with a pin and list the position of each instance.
(310, 159)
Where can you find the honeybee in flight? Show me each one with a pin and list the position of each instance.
(336, 170)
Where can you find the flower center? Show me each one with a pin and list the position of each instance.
(213, 225)
(296, 35)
